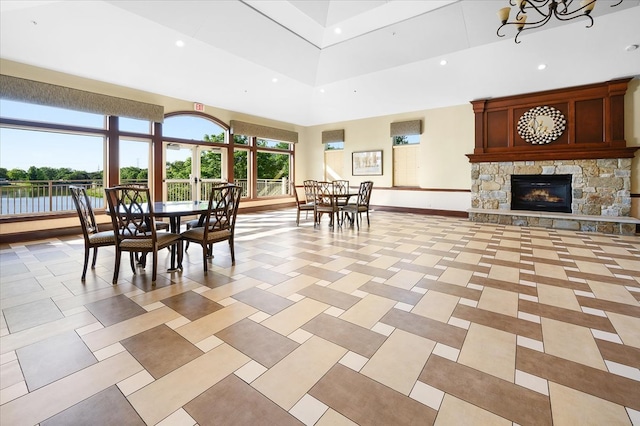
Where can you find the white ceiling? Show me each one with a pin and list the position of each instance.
(386, 60)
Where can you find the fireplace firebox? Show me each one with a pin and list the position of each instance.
(550, 193)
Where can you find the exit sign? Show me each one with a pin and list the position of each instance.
(198, 107)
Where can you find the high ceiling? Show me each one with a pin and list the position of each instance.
(385, 60)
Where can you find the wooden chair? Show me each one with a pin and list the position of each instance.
(132, 217)
(341, 187)
(93, 238)
(306, 205)
(361, 205)
(325, 202)
(219, 222)
(194, 223)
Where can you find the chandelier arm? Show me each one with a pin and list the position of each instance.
(572, 15)
(528, 4)
(528, 25)
(614, 5)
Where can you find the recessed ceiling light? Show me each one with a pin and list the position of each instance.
(443, 62)
(338, 30)
(275, 80)
(321, 90)
(542, 66)
(180, 43)
(631, 47)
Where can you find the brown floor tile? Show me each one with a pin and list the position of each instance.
(368, 270)
(106, 408)
(191, 305)
(350, 336)
(566, 315)
(587, 379)
(504, 285)
(367, 402)
(330, 296)
(320, 273)
(605, 305)
(233, 402)
(425, 327)
(161, 350)
(263, 300)
(267, 275)
(513, 402)
(390, 292)
(622, 354)
(53, 358)
(115, 309)
(258, 342)
(500, 321)
(454, 290)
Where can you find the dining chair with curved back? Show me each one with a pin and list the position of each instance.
(361, 205)
(93, 237)
(306, 205)
(131, 210)
(219, 221)
(194, 223)
(325, 202)
(341, 189)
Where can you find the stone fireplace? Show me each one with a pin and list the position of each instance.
(581, 142)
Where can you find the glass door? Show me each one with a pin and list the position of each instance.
(191, 170)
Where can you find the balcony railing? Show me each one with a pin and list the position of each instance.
(36, 197)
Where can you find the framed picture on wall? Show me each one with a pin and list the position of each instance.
(366, 163)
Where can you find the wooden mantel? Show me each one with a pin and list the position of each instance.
(594, 125)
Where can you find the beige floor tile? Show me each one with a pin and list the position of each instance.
(406, 248)
(580, 252)
(109, 335)
(572, 407)
(632, 265)
(202, 328)
(288, 320)
(593, 268)
(479, 245)
(43, 403)
(454, 411)
(339, 264)
(510, 243)
(500, 301)
(289, 287)
(504, 273)
(399, 361)
(10, 374)
(350, 282)
(490, 350)
(558, 296)
(471, 258)
(429, 260)
(157, 400)
(436, 305)
(541, 242)
(405, 279)
(547, 270)
(627, 327)
(26, 337)
(571, 342)
(509, 256)
(164, 293)
(287, 381)
(612, 292)
(290, 266)
(545, 254)
(228, 290)
(368, 311)
(456, 276)
(445, 247)
(384, 262)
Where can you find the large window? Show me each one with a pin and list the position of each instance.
(405, 139)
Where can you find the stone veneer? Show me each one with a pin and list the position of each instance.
(601, 191)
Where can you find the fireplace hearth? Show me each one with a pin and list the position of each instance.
(549, 193)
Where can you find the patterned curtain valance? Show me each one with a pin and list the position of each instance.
(333, 136)
(265, 132)
(405, 128)
(19, 89)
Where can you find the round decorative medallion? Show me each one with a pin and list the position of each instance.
(541, 125)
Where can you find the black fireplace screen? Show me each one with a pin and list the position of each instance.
(550, 193)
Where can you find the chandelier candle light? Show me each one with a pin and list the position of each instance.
(560, 9)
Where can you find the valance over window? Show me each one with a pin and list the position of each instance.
(30, 91)
(264, 132)
(329, 136)
(405, 128)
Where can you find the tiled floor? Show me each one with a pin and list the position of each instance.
(415, 320)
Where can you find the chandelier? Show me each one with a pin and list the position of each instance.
(544, 10)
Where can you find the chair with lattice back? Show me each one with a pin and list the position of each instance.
(361, 205)
(131, 211)
(93, 237)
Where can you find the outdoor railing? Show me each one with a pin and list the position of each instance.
(32, 197)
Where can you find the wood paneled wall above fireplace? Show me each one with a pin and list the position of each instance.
(593, 125)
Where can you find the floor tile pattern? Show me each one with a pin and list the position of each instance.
(414, 320)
